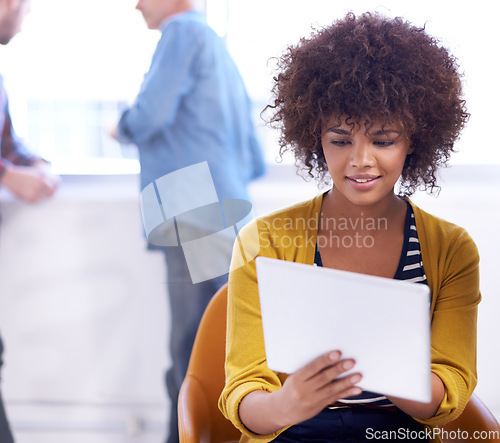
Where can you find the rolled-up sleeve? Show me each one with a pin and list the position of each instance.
(454, 325)
(246, 367)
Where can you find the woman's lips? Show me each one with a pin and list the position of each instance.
(363, 183)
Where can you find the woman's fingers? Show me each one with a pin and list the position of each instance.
(334, 372)
(318, 384)
(343, 387)
(319, 364)
(325, 369)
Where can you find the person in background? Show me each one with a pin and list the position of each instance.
(192, 107)
(25, 175)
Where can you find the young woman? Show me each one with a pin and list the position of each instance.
(374, 104)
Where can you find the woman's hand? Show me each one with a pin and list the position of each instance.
(304, 394)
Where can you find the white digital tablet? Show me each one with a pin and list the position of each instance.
(384, 324)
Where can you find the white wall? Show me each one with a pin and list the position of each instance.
(83, 316)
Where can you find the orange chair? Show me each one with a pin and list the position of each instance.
(475, 418)
(200, 420)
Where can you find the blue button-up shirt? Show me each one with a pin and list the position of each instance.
(193, 107)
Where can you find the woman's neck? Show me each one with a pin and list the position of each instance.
(336, 205)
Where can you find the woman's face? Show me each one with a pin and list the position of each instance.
(364, 163)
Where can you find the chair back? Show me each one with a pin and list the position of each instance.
(200, 419)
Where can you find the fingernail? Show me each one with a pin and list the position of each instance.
(356, 391)
(355, 378)
(334, 356)
(348, 365)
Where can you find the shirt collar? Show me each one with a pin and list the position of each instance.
(191, 13)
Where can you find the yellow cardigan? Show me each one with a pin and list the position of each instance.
(451, 264)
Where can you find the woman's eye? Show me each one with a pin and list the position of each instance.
(383, 143)
(339, 142)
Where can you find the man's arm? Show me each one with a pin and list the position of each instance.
(27, 176)
(12, 149)
(170, 78)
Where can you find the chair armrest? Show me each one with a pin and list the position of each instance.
(476, 417)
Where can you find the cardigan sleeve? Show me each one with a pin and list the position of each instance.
(453, 273)
(246, 368)
(287, 234)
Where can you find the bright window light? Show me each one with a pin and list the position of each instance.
(77, 64)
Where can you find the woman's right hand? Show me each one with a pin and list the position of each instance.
(304, 394)
(308, 391)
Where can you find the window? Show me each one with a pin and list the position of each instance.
(68, 74)
(77, 64)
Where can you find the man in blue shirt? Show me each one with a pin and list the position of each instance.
(192, 108)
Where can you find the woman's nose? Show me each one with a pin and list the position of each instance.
(362, 155)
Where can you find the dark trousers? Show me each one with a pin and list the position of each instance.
(357, 424)
(187, 303)
(5, 433)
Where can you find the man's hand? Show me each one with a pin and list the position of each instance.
(113, 132)
(30, 183)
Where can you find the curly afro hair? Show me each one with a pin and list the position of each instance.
(372, 68)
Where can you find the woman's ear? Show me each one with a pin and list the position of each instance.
(411, 149)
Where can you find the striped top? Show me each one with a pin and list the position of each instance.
(411, 269)
(410, 266)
